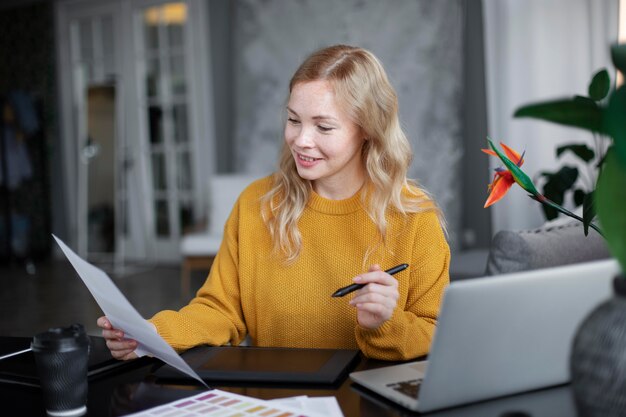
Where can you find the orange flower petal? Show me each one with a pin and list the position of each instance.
(499, 188)
(512, 155)
(496, 178)
(489, 152)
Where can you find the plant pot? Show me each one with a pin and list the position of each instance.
(598, 358)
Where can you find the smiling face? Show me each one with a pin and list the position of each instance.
(324, 142)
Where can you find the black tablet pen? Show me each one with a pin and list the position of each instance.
(353, 287)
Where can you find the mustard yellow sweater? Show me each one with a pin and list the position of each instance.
(250, 291)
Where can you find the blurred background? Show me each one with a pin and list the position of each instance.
(117, 114)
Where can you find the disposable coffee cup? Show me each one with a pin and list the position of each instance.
(61, 354)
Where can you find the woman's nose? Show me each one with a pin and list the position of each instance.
(304, 139)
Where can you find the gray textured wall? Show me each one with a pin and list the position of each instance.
(420, 45)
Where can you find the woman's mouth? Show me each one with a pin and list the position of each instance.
(306, 161)
(307, 158)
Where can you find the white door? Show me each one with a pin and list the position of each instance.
(168, 64)
(163, 104)
(139, 121)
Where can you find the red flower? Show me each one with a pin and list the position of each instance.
(503, 179)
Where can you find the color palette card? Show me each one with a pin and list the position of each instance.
(216, 403)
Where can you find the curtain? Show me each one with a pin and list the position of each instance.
(538, 50)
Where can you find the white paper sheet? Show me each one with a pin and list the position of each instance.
(123, 315)
(325, 406)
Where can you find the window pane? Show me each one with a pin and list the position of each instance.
(177, 69)
(153, 77)
(184, 170)
(155, 122)
(151, 19)
(162, 218)
(175, 16)
(185, 215)
(158, 171)
(175, 34)
(181, 134)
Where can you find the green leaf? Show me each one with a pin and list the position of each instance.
(549, 212)
(585, 100)
(601, 161)
(600, 85)
(589, 211)
(610, 197)
(574, 112)
(614, 122)
(555, 187)
(561, 181)
(584, 152)
(618, 55)
(579, 197)
(519, 176)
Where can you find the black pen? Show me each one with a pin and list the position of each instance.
(353, 287)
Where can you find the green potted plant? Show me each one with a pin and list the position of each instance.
(582, 112)
(598, 359)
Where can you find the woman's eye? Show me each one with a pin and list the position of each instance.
(293, 121)
(324, 128)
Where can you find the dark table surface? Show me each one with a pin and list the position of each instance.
(133, 388)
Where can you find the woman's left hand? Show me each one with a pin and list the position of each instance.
(376, 301)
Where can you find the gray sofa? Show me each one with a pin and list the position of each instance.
(551, 245)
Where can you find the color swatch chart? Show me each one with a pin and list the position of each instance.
(216, 403)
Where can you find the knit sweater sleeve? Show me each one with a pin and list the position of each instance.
(214, 316)
(408, 333)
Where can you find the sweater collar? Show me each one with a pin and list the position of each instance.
(325, 205)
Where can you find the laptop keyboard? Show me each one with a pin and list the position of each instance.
(409, 388)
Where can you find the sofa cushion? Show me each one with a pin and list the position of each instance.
(513, 251)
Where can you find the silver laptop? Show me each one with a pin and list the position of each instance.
(496, 336)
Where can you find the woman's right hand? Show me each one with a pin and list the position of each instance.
(121, 348)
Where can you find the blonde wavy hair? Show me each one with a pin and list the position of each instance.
(363, 90)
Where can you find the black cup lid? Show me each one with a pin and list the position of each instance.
(61, 338)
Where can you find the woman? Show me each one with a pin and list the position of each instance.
(339, 206)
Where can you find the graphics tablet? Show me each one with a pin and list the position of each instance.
(258, 364)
